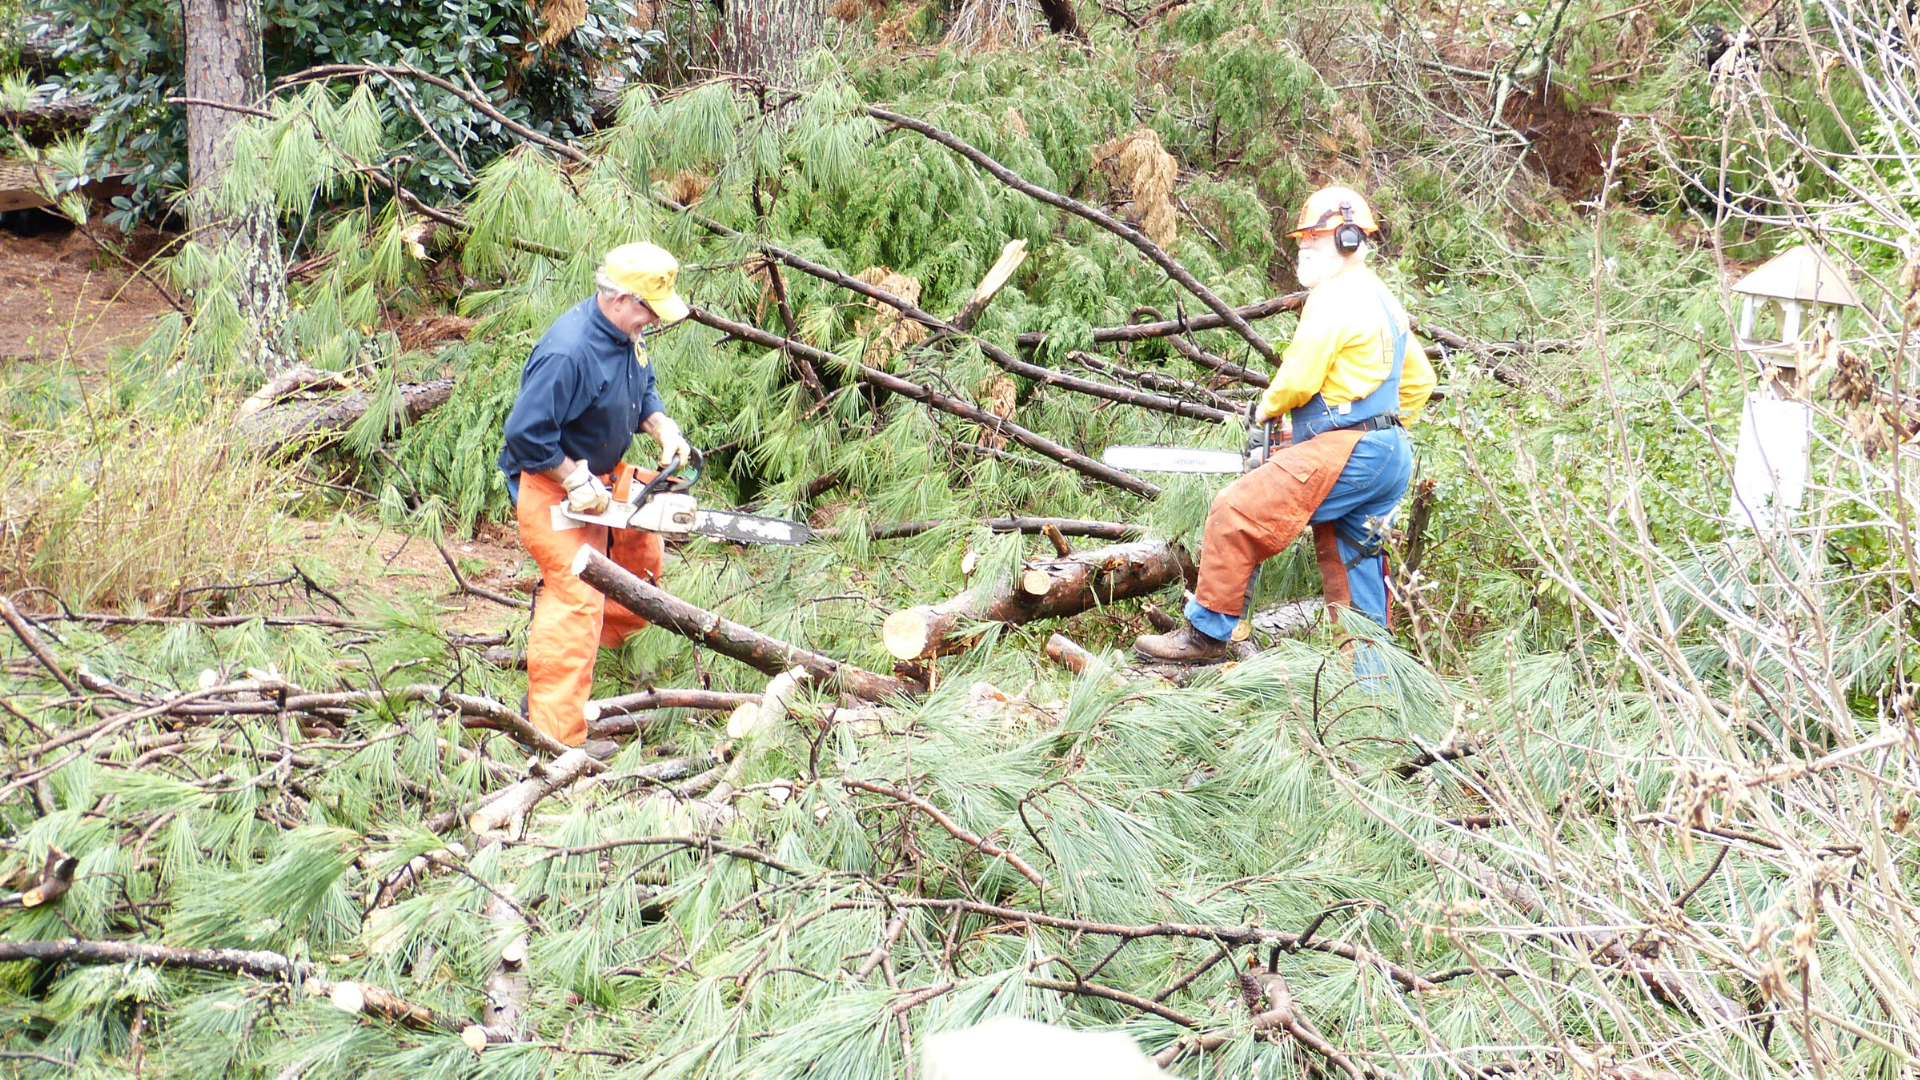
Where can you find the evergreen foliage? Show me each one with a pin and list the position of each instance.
(1631, 798)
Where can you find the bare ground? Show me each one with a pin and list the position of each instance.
(62, 298)
(368, 563)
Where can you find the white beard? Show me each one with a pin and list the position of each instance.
(1316, 266)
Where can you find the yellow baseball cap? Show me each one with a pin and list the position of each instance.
(648, 272)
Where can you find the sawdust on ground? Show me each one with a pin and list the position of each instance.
(62, 298)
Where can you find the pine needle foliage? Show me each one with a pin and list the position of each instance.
(1630, 796)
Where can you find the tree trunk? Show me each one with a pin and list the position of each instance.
(1043, 589)
(224, 65)
(771, 38)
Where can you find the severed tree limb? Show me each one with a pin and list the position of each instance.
(1067, 652)
(293, 380)
(958, 831)
(56, 877)
(1044, 589)
(324, 419)
(513, 804)
(363, 1000)
(612, 716)
(1153, 380)
(724, 636)
(1103, 530)
(1011, 256)
(934, 399)
(1131, 235)
(259, 963)
(24, 630)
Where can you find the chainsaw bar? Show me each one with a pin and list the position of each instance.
(1173, 459)
(749, 528)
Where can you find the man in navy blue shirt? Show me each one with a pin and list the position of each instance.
(587, 388)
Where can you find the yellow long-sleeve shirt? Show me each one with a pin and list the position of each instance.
(1342, 350)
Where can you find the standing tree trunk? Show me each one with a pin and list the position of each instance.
(224, 65)
(770, 38)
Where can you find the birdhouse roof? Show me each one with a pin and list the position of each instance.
(1800, 274)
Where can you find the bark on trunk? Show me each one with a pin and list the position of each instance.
(1043, 589)
(771, 38)
(325, 419)
(224, 66)
(724, 636)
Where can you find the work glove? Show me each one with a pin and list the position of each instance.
(672, 445)
(585, 493)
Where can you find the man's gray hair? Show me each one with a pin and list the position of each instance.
(608, 290)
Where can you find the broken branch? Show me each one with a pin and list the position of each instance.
(724, 636)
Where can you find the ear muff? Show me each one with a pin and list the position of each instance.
(1347, 238)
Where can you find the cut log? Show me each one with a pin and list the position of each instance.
(1043, 589)
(724, 636)
(360, 999)
(1066, 652)
(325, 419)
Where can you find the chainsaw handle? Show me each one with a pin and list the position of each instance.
(668, 479)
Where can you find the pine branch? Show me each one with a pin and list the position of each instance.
(1231, 935)
(958, 831)
(728, 638)
(952, 406)
(1119, 228)
(1105, 335)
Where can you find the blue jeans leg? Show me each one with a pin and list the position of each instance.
(1369, 488)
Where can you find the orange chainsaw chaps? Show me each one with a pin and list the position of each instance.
(572, 621)
(1258, 515)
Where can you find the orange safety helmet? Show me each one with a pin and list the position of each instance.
(1339, 210)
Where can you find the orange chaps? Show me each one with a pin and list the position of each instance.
(1257, 516)
(571, 619)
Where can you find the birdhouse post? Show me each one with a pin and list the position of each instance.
(1784, 307)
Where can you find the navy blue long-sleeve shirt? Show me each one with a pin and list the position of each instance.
(584, 392)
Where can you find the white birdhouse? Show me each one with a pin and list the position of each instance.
(1783, 301)
(1780, 305)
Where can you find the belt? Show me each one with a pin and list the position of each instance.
(1372, 423)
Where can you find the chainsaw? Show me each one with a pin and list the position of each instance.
(1181, 459)
(665, 505)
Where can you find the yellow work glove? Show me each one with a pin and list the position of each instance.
(672, 445)
(585, 493)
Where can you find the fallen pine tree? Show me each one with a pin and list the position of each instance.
(1066, 584)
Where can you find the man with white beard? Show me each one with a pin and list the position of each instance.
(1350, 380)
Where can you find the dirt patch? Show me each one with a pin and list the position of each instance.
(366, 563)
(1566, 142)
(62, 298)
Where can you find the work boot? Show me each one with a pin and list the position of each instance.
(600, 749)
(1185, 645)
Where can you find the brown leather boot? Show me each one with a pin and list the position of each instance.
(1185, 645)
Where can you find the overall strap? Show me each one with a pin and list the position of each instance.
(1316, 416)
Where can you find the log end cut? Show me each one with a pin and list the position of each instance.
(907, 633)
(347, 997)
